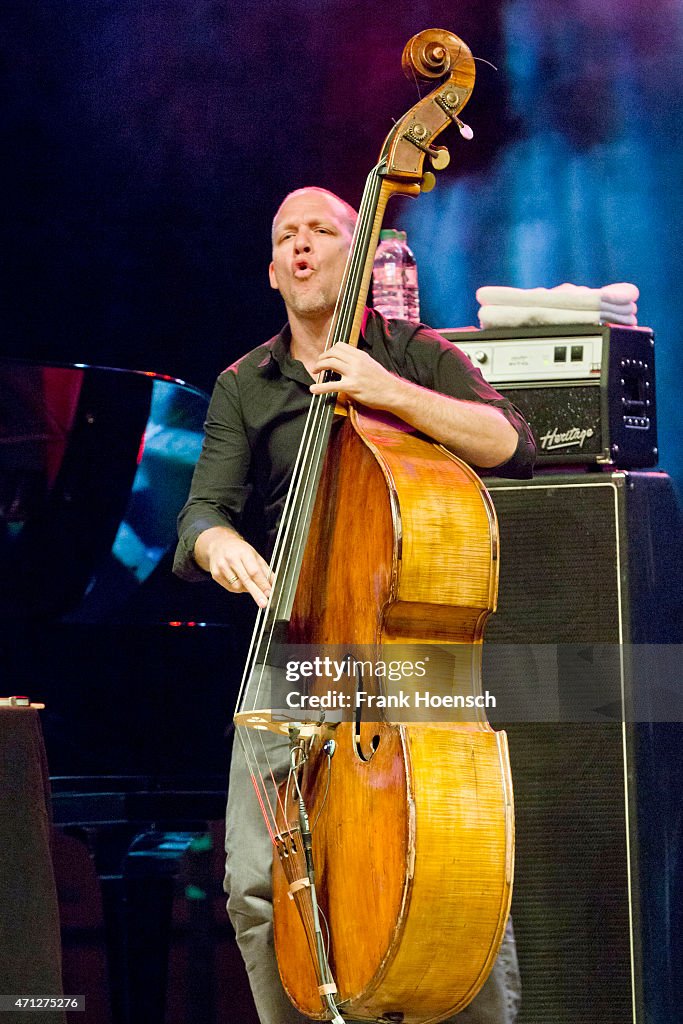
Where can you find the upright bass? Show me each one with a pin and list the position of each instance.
(394, 840)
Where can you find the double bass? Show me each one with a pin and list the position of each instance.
(394, 839)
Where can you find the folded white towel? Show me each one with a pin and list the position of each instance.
(618, 308)
(530, 316)
(564, 296)
(628, 319)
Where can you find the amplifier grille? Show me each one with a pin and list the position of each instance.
(560, 571)
(562, 581)
(570, 906)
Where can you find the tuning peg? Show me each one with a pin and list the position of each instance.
(439, 156)
(447, 101)
(464, 129)
(428, 181)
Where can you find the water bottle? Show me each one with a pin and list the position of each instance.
(387, 276)
(394, 278)
(411, 295)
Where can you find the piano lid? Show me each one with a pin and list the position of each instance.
(95, 464)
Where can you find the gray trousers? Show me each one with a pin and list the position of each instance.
(248, 884)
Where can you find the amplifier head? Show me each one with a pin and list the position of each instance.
(587, 392)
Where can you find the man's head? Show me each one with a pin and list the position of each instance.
(312, 233)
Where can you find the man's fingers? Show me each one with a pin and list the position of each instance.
(239, 568)
(325, 389)
(268, 573)
(338, 358)
(252, 588)
(238, 581)
(259, 573)
(227, 575)
(251, 575)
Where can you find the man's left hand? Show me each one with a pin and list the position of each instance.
(362, 377)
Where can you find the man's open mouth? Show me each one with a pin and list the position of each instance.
(302, 270)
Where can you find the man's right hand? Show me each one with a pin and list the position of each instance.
(234, 563)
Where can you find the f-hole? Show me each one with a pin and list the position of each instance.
(364, 755)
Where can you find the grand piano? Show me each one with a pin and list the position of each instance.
(137, 671)
(135, 668)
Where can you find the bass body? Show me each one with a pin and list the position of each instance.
(413, 837)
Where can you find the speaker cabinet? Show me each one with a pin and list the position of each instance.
(591, 559)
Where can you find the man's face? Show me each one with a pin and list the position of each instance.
(311, 239)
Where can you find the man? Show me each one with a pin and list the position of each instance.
(253, 428)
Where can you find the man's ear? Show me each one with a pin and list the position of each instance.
(271, 277)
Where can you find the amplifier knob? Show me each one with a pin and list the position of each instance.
(481, 357)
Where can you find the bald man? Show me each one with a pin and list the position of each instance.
(253, 428)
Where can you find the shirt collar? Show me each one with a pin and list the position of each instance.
(279, 362)
(279, 359)
(279, 352)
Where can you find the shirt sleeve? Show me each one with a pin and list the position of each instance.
(440, 365)
(220, 484)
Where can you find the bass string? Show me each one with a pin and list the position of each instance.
(259, 778)
(292, 534)
(314, 437)
(313, 441)
(252, 758)
(304, 487)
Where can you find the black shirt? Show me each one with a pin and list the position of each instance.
(256, 418)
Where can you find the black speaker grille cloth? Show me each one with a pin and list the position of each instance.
(570, 905)
(558, 566)
(560, 584)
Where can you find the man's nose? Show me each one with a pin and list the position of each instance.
(302, 240)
